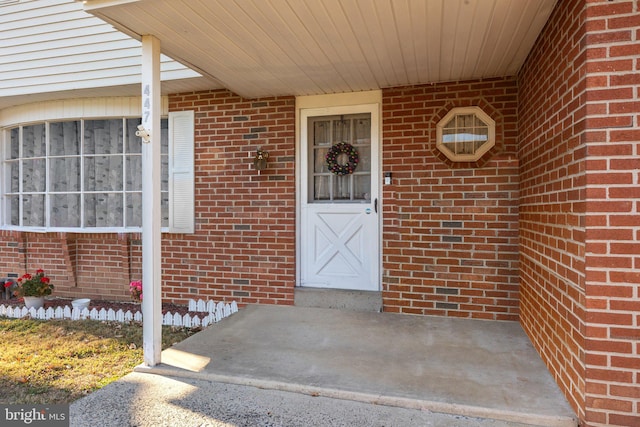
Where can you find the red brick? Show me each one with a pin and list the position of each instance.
(607, 178)
(606, 66)
(601, 9)
(611, 121)
(626, 49)
(625, 362)
(631, 305)
(624, 107)
(624, 420)
(609, 375)
(631, 135)
(608, 37)
(611, 404)
(624, 277)
(629, 21)
(625, 79)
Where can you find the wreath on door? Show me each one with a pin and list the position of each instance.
(332, 159)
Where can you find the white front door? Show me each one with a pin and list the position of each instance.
(339, 223)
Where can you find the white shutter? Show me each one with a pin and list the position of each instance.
(181, 173)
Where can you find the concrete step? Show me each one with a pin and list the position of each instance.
(340, 299)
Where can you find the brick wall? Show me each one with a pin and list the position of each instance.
(552, 193)
(79, 265)
(450, 237)
(244, 245)
(613, 213)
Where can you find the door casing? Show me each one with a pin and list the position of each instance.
(347, 103)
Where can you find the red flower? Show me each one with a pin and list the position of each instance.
(8, 284)
(34, 285)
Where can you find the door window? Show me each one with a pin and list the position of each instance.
(344, 176)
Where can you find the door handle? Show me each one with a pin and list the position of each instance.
(375, 205)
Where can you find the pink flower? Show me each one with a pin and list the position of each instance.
(135, 289)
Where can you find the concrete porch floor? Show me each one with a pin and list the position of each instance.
(458, 366)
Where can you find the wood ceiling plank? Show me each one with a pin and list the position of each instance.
(389, 42)
(476, 45)
(434, 24)
(495, 30)
(337, 40)
(294, 30)
(449, 39)
(533, 19)
(411, 18)
(202, 44)
(367, 41)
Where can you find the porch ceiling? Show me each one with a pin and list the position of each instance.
(260, 48)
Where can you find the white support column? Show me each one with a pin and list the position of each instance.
(151, 218)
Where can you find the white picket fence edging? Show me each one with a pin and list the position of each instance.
(212, 313)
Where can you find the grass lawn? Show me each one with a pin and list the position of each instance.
(59, 361)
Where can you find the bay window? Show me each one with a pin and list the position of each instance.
(86, 174)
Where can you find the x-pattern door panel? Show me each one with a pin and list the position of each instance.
(339, 246)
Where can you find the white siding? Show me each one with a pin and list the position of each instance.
(53, 45)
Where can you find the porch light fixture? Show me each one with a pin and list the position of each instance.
(144, 134)
(465, 134)
(260, 160)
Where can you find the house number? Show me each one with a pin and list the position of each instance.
(146, 106)
(142, 132)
